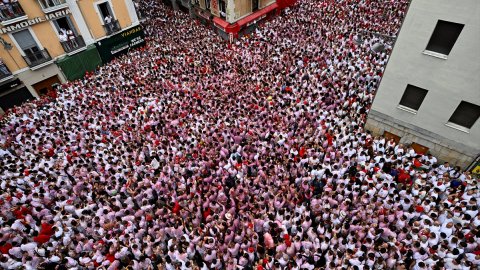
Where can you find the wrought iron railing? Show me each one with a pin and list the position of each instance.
(112, 27)
(48, 4)
(73, 44)
(9, 11)
(37, 58)
(4, 71)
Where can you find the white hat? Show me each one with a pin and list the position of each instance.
(40, 252)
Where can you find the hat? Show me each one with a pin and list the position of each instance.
(228, 216)
(41, 252)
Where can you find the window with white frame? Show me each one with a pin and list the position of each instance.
(444, 37)
(413, 97)
(465, 115)
(26, 42)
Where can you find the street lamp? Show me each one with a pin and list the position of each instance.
(8, 47)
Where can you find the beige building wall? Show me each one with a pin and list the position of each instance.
(121, 11)
(12, 59)
(48, 38)
(93, 18)
(242, 8)
(265, 3)
(86, 18)
(45, 32)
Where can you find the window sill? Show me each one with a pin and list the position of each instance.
(457, 127)
(435, 54)
(6, 78)
(55, 8)
(77, 51)
(15, 20)
(41, 65)
(407, 109)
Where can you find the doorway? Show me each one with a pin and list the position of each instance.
(45, 86)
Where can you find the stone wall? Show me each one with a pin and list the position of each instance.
(442, 148)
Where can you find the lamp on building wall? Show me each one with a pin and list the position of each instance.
(8, 47)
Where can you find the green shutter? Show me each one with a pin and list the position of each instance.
(74, 67)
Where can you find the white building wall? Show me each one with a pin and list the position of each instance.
(448, 81)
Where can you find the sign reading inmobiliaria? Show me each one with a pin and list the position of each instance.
(33, 21)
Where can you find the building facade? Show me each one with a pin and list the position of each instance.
(231, 18)
(429, 95)
(36, 36)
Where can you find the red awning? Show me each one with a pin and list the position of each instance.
(220, 22)
(227, 27)
(257, 15)
(285, 3)
(233, 28)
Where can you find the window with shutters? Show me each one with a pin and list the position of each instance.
(33, 54)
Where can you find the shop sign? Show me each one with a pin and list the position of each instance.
(474, 168)
(121, 43)
(9, 85)
(27, 23)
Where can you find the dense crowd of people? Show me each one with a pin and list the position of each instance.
(191, 153)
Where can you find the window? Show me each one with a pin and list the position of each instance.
(10, 10)
(68, 35)
(465, 115)
(413, 97)
(27, 43)
(110, 24)
(444, 37)
(64, 25)
(254, 5)
(34, 55)
(106, 12)
(51, 3)
(223, 8)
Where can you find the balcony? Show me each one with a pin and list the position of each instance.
(5, 73)
(11, 13)
(112, 27)
(39, 57)
(73, 44)
(52, 5)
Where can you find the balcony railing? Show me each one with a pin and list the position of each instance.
(52, 5)
(112, 27)
(73, 44)
(4, 71)
(10, 11)
(37, 58)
